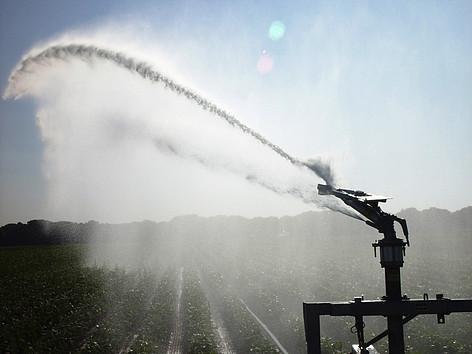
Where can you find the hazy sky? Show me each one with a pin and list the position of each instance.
(382, 90)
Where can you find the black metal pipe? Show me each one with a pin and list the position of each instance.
(396, 343)
(312, 330)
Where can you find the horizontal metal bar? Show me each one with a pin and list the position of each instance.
(385, 308)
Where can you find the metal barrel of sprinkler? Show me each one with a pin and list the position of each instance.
(396, 308)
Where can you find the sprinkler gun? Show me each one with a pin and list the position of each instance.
(368, 206)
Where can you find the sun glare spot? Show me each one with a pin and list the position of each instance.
(265, 64)
(276, 30)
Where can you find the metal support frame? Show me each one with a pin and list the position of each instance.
(359, 308)
(393, 305)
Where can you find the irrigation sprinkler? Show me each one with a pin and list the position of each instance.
(397, 308)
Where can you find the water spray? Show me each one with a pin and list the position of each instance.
(145, 70)
(88, 53)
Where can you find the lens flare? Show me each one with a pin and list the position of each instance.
(276, 30)
(265, 64)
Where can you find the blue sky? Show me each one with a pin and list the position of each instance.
(382, 89)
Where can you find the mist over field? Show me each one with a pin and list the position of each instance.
(272, 265)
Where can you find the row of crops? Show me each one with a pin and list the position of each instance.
(248, 284)
(245, 335)
(198, 332)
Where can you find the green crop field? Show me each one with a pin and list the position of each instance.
(52, 302)
(55, 300)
